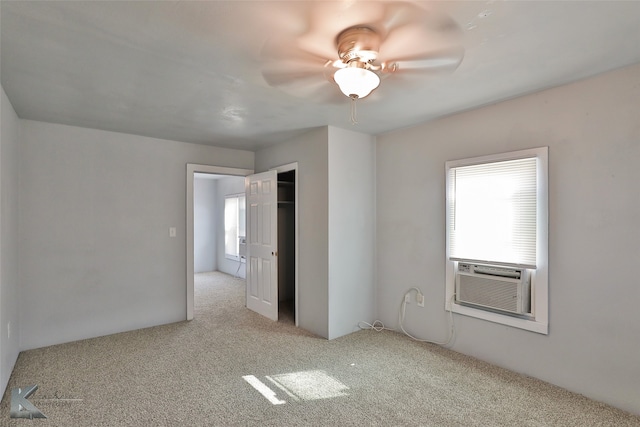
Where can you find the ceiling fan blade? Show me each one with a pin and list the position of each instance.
(414, 32)
(315, 88)
(284, 60)
(289, 50)
(399, 14)
(443, 61)
(283, 77)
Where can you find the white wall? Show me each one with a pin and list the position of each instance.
(9, 290)
(351, 230)
(336, 192)
(95, 208)
(205, 232)
(311, 152)
(227, 186)
(591, 128)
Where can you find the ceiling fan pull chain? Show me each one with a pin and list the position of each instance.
(354, 113)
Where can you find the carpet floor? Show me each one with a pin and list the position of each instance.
(232, 367)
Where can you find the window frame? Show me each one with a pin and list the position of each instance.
(538, 321)
(236, 256)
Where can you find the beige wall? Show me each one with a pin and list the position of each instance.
(311, 152)
(593, 133)
(9, 289)
(95, 209)
(351, 230)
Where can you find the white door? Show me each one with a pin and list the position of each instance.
(262, 243)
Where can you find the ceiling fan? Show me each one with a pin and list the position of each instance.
(356, 44)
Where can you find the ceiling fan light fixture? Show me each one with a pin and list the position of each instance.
(356, 82)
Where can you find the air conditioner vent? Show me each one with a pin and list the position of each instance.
(497, 288)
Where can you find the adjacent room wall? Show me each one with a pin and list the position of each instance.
(205, 220)
(593, 133)
(311, 152)
(95, 209)
(351, 230)
(227, 186)
(9, 290)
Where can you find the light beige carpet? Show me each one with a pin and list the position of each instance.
(200, 373)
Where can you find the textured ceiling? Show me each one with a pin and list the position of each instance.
(191, 71)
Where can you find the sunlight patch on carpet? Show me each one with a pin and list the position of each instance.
(304, 385)
(264, 389)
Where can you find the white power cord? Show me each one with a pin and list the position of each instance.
(376, 326)
(401, 315)
(237, 276)
(379, 326)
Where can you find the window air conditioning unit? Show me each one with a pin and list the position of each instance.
(498, 288)
(242, 246)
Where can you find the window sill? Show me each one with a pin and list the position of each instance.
(516, 322)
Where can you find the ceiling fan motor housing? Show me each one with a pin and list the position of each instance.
(358, 43)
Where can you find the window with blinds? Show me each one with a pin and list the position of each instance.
(234, 224)
(497, 214)
(492, 212)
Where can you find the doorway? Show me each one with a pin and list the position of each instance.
(288, 237)
(271, 244)
(287, 245)
(289, 241)
(192, 170)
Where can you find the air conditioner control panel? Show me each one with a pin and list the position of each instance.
(490, 270)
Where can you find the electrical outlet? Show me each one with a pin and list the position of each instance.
(407, 299)
(420, 300)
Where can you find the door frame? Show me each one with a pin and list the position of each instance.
(192, 169)
(286, 168)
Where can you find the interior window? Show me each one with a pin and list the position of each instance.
(234, 224)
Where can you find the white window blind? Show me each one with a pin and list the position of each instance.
(234, 224)
(492, 212)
